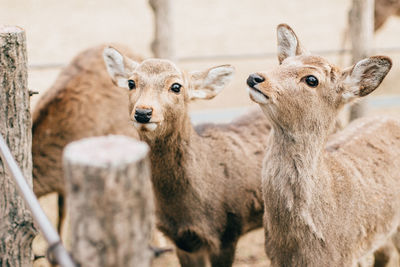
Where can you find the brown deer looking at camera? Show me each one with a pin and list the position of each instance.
(326, 203)
(206, 179)
(81, 103)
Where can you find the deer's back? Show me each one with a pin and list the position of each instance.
(83, 102)
(234, 154)
(371, 148)
(365, 162)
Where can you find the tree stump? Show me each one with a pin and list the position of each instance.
(163, 45)
(16, 224)
(361, 20)
(110, 201)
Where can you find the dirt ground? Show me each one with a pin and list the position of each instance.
(58, 30)
(250, 250)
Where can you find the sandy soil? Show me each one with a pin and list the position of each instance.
(58, 30)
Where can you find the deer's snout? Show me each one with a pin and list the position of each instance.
(143, 115)
(254, 79)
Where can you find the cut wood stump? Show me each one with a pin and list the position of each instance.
(110, 201)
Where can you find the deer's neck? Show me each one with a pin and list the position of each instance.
(293, 182)
(293, 171)
(169, 160)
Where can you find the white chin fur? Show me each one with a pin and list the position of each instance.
(151, 126)
(257, 97)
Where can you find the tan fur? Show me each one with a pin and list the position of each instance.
(83, 102)
(206, 179)
(326, 203)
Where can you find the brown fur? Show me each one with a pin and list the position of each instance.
(82, 103)
(383, 10)
(206, 179)
(326, 203)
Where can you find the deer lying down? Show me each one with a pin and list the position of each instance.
(206, 179)
(83, 102)
(326, 203)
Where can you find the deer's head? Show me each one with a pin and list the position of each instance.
(159, 92)
(305, 92)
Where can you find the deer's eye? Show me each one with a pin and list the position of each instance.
(176, 87)
(311, 81)
(131, 84)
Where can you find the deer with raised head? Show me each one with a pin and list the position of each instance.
(327, 202)
(81, 103)
(206, 179)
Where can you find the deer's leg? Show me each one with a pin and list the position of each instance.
(61, 212)
(387, 255)
(396, 239)
(225, 257)
(187, 259)
(61, 215)
(366, 261)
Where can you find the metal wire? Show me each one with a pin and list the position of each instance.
(45, 226)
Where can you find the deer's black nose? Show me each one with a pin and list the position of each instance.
(143, 115)
(254, 79)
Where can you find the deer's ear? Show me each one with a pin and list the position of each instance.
(288, 43)
(364, 77)
(119, 67)
(207, 84)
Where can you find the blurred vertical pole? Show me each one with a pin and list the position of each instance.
(110, 201)
(163, 45)
(16, 224)
(361, 20)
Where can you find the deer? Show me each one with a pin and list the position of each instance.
(81, 103)
(329, 201)
(206, 178)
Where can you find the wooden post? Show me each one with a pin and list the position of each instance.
(163, 45)
(110, 201)
(361, 20)
(16, 224)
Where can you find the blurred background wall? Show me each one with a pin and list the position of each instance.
(207, 32)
